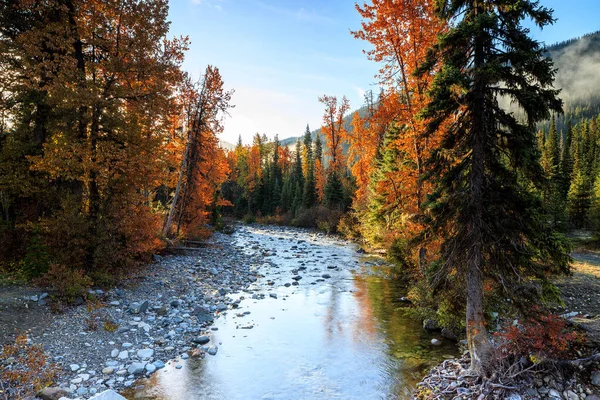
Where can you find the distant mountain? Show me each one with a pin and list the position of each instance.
(291, 141)
(226, 145)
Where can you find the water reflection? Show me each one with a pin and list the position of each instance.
(347, 337)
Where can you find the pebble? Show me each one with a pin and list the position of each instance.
(74, 367)
(114, 353)
(108, 370)
(212, 350)
(123, 355)
(436, 342)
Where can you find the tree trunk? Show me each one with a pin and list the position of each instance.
(477, 335)
(182, 170)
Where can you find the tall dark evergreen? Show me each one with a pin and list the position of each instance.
(309, 194)
(490, 226)
(297, 178)
(566, 161)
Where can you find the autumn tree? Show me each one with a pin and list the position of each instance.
(490, 225)
(203, 165)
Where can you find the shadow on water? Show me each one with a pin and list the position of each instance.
(348, 337)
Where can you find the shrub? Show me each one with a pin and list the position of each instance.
(248, 219)
(24, 369)
(68, 284)
(545, 337)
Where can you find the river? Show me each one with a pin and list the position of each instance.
(341, 333)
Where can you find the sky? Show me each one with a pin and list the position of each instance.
(280, 56)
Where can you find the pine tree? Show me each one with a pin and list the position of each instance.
(334, 192)
(309, 192)
(490, 227)
(297, 178)
(579, 197)
(566, 162)
(553, 199)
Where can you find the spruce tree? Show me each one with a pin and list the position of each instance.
(310, 191)
(490, 226)
(566, 162)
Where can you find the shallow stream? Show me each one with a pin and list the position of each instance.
(341, 333)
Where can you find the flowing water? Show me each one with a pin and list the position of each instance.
(348, 336)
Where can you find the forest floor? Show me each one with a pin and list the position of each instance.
(581, 292)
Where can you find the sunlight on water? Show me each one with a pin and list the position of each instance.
(347, 337)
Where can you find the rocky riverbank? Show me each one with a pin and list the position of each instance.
(159, 317)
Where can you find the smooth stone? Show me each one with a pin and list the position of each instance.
(150, 368)
(126, 345)
(123, 355)
(436, 342)
(185, 356)
(201, 340)
(326, 276)
(554, 394)
(158, 364)
(178, 367)
(212, 350)
(74, 367)
(136, 368)
(114, 353)
(82, 391)
(108, 395)
(145, 354)
(52, 393)
(273, 295)
(595, 378)
(108, 370)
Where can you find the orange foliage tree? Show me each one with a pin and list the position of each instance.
(204, 165)
(401, 32)
(333, 128)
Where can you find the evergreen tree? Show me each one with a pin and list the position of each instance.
(310, 191)
(297, 178)
(579, 197)
(566, 162)
(490, 227)
(334, 192)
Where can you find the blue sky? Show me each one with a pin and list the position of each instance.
(281, 55)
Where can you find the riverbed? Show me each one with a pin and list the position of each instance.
(322, 322)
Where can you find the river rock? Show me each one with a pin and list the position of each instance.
(273, 295)
(136, 368)
(436, 342)
(150, 368)
(595, 378)
(448, 334)
(123, 355)
(158, 364)
(145, 354)
(52, 393)
(326, 276)
(108, 370)
(114, 353)
(74, 367)
(108, 395)
(430, 325)
(137, 308)
(212, 350)
(554, 394)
